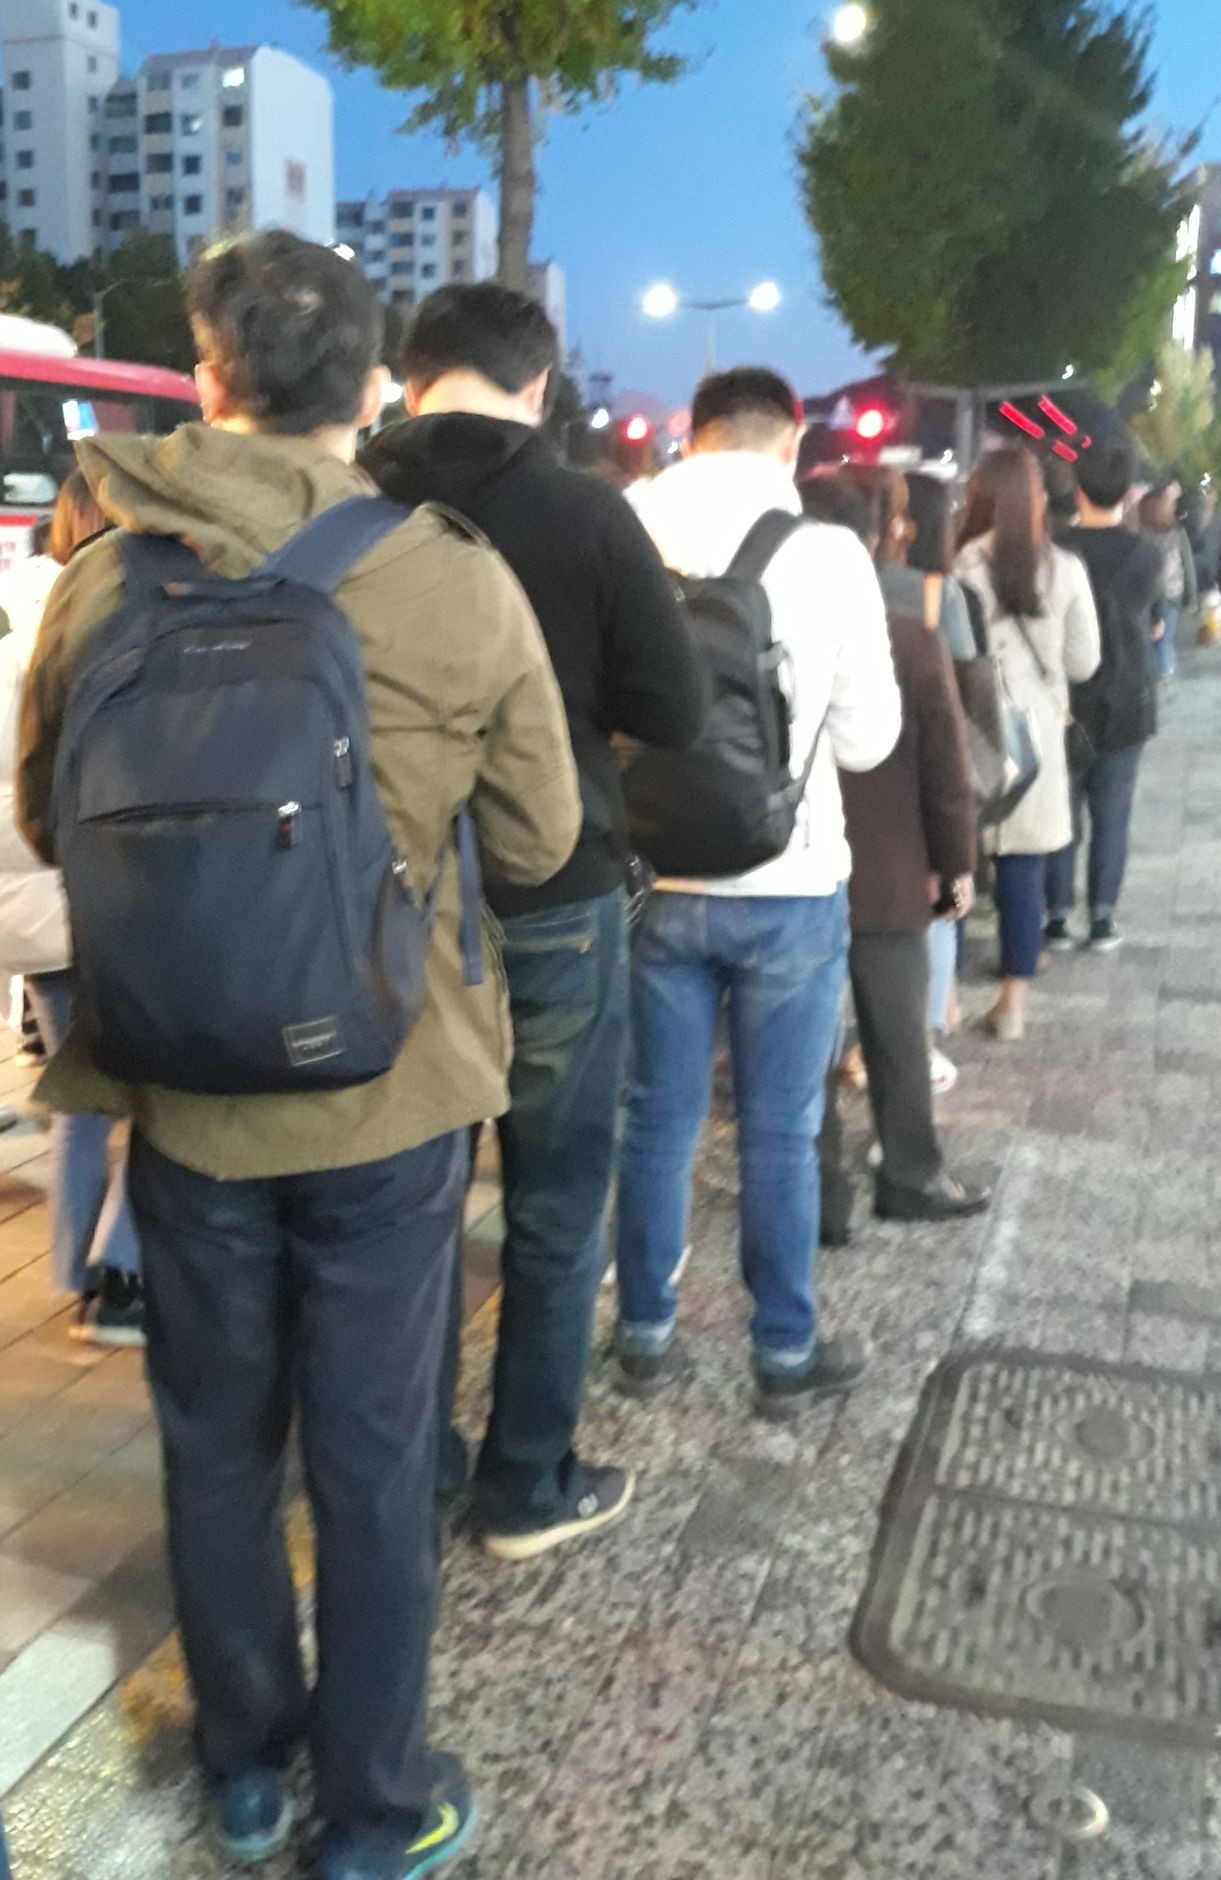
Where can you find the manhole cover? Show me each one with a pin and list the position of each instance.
(1051, 1547)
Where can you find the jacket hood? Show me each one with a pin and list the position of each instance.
(233, 498)
(445, 458)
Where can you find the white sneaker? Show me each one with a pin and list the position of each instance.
(943, 1073)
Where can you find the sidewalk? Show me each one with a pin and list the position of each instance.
(675, 1701)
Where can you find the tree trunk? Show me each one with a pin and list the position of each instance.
(517, 183)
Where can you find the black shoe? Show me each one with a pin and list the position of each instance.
(602, 1498)
(835, 1234)
(1105, 936)
(945, 1199)
(450, 1822)
(643, 1374)
(832, 1371)
(1057, 938)
(113, 1312)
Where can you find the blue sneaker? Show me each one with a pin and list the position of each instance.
(254, 1816)
(450, 1824)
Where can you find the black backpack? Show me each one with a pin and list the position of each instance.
(731, 803)
(1118, 706)
(241, 919)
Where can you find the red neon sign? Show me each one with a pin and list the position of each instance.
(1058, 417)
(1022, 421)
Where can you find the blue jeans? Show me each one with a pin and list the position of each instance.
(1020, 904)
(568, 980)
(943, 938)
(1108, 787)
(91, 1224)
(319, 1298)
(778, 966)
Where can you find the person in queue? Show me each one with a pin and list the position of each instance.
(299, 1247)
(1042, 625)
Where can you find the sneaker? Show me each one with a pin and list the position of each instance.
(451, 1821)
(112, 1313)
(1007, 1027)
(943, 1074)
(944, 1199)
(1057, 938)
(253, 1816)
(832, 1371)
(644, 1374)
(605, 1497)
(1105, 936)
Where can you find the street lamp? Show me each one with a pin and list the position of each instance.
(851, 25)
(100, 296)
(661, 303)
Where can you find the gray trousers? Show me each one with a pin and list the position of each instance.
(890, 977)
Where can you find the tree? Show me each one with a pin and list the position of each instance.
(143, 303)
(988, 204)
(485, 67)
(1181, 431)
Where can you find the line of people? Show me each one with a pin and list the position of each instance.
(517, 622)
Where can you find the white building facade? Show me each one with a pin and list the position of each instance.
(61, 58)
(204, 145)
(414, 240)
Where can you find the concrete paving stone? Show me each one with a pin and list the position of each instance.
(31, 1597)
(89, 1529)
(1144, 1785)
(45, 1689)
(1169, 1344)
(1176, 1299)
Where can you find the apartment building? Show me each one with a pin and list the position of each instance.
(1197, 317)
(202, 145)
(61, 58)
(413, 240)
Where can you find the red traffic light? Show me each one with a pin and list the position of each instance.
(637, 429)
(871, 424)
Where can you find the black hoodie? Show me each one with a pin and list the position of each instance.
(621, 650)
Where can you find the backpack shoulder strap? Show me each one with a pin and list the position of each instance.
(330, 545)
(149, 562)
(763, 544)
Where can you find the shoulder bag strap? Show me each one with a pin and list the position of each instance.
(763, 543)
(331, 544)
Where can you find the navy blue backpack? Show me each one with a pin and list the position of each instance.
(241, 919)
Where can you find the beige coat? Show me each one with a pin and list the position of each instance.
(1067, 639)
(464, 708)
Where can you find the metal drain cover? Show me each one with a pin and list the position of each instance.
(1051, 1547)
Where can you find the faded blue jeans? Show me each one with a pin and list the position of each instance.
(91, 1224)
(777, 966)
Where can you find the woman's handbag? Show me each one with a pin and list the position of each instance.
(1001, 738)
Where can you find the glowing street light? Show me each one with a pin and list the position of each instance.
(600, 419)
(851, 25)
(765, 298)
(662, 302)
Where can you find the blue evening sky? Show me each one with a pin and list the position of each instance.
(692, 183)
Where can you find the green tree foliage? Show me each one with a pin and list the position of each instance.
(988, 203)
(484, 68)
(138, 290)
(1181, 431)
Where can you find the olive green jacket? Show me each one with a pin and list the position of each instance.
(464, 708)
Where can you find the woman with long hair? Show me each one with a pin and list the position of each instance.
(1042, 626)
(93, 1240)
(1159, 520)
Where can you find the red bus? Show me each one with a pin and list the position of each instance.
(50, 399)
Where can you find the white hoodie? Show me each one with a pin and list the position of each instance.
(33, 915)
(827, 612)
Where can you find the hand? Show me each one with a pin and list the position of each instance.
(966, 895)
(1159, 631)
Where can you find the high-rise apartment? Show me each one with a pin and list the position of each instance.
(1197, 317)
(61, 58)
(205, 144)
(413, 240)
